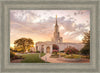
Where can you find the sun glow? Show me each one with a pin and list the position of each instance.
(80, 37)
(12, 45)
(61, 28)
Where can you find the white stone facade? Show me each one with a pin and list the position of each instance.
(43, 46)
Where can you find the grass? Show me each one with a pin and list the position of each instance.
(32, 58)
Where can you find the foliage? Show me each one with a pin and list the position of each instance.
(73, 56)
(62, 51)
(12, 54)
(55, 52)
(54, 56)
(62, 54)
(71, 50)
(37, 51)
(86, 40)
(23, 44)
(55, 47)
(85, 51)
(84, 56)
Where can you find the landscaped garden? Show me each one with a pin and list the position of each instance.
(27, 58)
(32, 58)
(70, 54)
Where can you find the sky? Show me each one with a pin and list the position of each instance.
(39, 24)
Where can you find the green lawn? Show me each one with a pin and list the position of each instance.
(32, 58)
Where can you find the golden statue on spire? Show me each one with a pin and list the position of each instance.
(56, 16)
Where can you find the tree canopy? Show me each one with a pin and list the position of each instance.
(86, 40)
(23, 44)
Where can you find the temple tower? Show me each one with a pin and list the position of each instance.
(57, 37)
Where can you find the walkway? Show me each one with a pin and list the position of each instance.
(16, 61)
(60, 60)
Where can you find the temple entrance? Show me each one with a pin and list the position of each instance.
(48, 49)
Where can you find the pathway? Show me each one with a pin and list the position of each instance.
(16, 61)
(60, 60)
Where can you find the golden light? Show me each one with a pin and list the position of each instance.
(80, 37)
(61, 28)
(65, 33)
(12, 45)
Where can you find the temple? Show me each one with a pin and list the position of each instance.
(47, 46)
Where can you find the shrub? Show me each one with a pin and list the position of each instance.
(62, 54)
(54, 56)
(12, 54)
(37, 51)
(71, 50)
(55, 47)
(84, 56)
(62, 51)
(73, 56)
(55, 52)
(85, 51)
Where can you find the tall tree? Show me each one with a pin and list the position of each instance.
(23, 43)
(86, 40)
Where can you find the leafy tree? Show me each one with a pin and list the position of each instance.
(23, 44)
(86, 40)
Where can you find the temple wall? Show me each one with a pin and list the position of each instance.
(62, 46)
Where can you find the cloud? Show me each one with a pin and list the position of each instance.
(22, 16)
(33, 23)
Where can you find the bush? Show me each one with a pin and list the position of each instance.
(55, 52)
(12, 54)
(73, 56)
(62, 54)
(85, 51)
(84, 56)
(62, 51)
(54, 56)
(37, 51)
(71, 50)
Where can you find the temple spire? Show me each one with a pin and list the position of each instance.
(56, 19)
(57, 37)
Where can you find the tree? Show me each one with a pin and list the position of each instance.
(23, 44)
(86, 40)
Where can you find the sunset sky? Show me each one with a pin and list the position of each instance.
(39, 24)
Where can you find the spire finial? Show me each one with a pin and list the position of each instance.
(56, 20)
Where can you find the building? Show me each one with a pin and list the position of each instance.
(47, 46)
